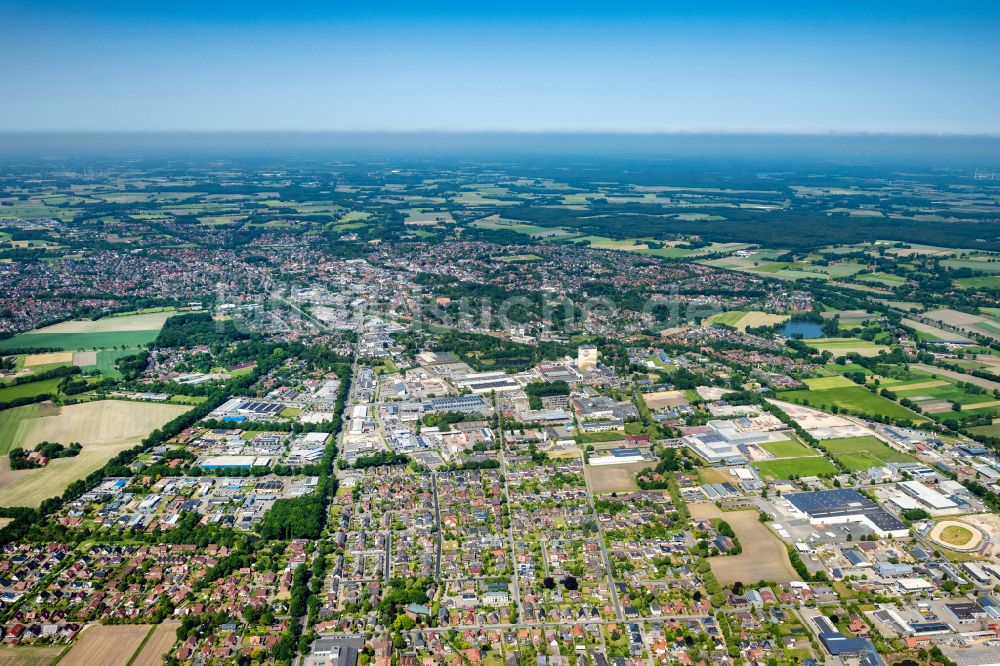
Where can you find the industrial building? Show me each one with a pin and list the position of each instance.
(846, 505)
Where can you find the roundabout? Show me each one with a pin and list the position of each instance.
(956, 535)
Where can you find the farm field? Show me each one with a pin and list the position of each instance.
(76, 341)
(48, 358)
(860, 453)
(929, 332)
(823, 383)
(108, 645)
(983, 282)
(103, 427)
(844, 346)
(853, 399)
(150, 321)
(157, 645)
(764, 555)
(615, 478)
(125, 330)
(988, 430)
(30, 656)
(29, 389)
(783, 469)
(951, 374)
(742, 320)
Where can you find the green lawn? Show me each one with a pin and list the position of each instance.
(788, 449)
(598, 437)
(784, 469)
(860, 453)
(851, 399)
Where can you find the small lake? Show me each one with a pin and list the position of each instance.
(804, 329)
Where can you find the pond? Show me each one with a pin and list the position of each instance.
(802, 329)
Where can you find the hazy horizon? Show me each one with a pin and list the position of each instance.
(693, 67)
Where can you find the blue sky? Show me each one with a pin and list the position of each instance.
(806, 66)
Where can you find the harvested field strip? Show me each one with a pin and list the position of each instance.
(764, 555)
(158, 643)
(106, 644)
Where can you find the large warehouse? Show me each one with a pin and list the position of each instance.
(845, 505)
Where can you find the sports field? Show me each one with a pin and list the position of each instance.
(103, 427)
(785, 469)
(860, 453)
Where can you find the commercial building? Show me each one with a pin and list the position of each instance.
(846, 505)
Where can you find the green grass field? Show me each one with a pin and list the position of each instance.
(860, 453)
(988, 430)
(10, 419)
(984, 282)
(598, 437)
(106, 361)
(788, 449)
(79, 341)
(29, 390)
(853, 399)
(784, 469)
(824, 383)
(791, 448)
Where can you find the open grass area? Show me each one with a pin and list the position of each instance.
(103, 427)
(852, 399)
(599, 437)
(790, 448)
(861, 453)
(786, 469)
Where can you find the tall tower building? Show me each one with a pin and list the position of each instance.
(586, 358)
